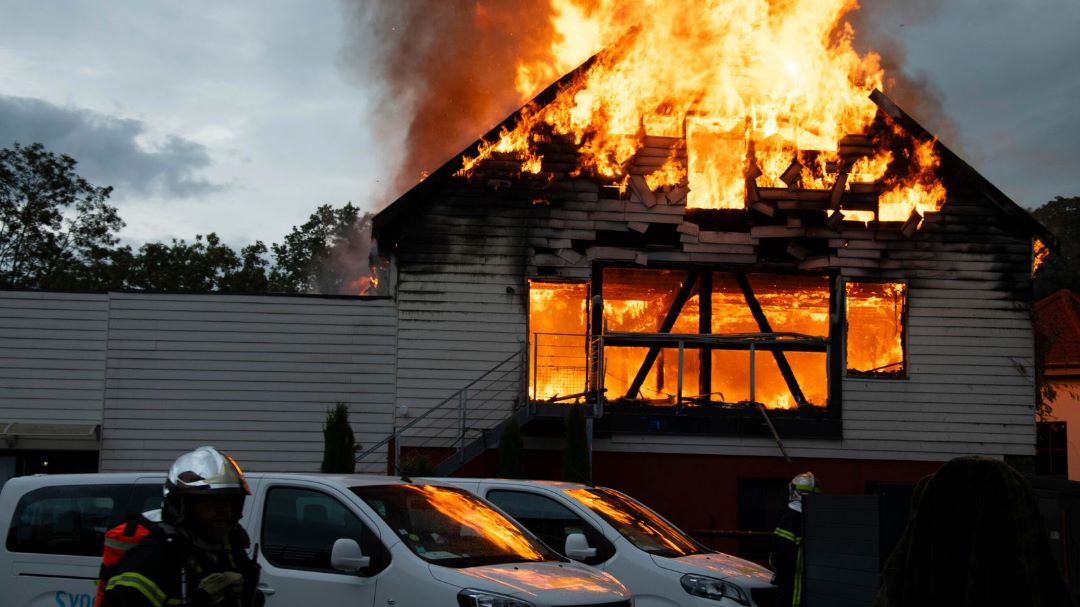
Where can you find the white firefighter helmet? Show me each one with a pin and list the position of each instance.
(802, 484)
(204, 471)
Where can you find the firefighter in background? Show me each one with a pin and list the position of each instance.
(787, 552)
(197, 554)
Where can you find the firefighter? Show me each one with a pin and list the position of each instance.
(787, 552)
(197, 554)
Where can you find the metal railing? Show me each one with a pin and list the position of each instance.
(452, 424)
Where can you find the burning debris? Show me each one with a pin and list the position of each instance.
(719, 209)
(747, 96)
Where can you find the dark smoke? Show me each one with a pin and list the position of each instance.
(879, 26)
(447, 68)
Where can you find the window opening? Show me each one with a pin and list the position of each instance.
(558, 351)
(876, 318)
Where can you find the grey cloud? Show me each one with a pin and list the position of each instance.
(106, 148)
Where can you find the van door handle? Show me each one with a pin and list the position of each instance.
(266, 589)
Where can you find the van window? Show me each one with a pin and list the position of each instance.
(633, 520)
(551, 521)
(73, 519)
(451, 527)
(300, 527)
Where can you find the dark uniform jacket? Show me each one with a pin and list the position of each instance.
(787, 558)
(165, 569)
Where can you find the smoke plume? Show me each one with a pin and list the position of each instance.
(447, 68)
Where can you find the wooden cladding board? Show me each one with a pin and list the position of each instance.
(253, 375)
(52, 356)
(970, 386)
(461, 295)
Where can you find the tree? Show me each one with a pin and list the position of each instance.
(511, 451)
(53, 223)
(576, 450)
(204, 265)
(339, 444)
(324, 255)
(1062, 269)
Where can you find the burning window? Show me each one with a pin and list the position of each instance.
(762, 337)
(557, 339)
(876, 315)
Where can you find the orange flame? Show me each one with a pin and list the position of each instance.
(1039, 253)
(875, 339)
(485, 521)
(919, 191)
(751, 85)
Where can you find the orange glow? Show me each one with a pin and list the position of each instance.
(1039, 253)
(750, 85)
(920, 190)
(365, 285)
(641, 519)
(557, 348)
(484, 521)
(875, 322)
(532, 580)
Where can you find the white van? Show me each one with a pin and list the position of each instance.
(602, 527)
(321, 540)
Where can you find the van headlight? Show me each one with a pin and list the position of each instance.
(471, 597)
(712, 588)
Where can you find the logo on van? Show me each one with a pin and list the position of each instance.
(67, 599)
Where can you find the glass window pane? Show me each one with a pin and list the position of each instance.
(67, 520)
(300, 527)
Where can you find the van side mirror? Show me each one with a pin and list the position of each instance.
(347, 556)
(577, 547)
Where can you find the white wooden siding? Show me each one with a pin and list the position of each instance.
(461, 299)
(253, 375)
(970, 385)
(52, 357)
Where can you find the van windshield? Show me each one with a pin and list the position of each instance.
(451, 527)
(633, 520)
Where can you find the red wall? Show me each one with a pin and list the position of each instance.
(701, 491)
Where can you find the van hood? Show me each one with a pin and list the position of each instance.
(555, 583)
(719, 565)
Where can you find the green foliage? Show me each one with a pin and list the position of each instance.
(416, 464)
(324, 254)
(57, 232)
(54, 225)
(339, 444)
(576, 450)
(511, 451)
(1062, 269)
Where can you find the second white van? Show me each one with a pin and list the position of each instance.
(661, 565)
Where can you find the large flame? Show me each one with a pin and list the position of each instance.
(752, 85)
(481, 519)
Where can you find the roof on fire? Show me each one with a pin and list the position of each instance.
(416, 197)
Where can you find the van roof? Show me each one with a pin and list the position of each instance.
(508, 481)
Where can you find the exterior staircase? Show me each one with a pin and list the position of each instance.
(465, 424)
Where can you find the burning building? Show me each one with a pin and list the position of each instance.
(731, 246)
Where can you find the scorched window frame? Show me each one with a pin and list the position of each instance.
(905, 319)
